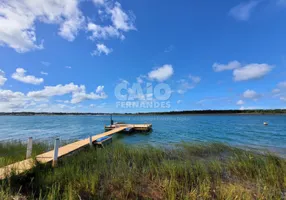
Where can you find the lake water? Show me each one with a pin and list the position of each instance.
(238, 130)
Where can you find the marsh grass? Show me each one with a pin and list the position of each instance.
(14, 151)
(187, 171)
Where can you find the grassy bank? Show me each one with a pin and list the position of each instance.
(188, 171)
(11, 152)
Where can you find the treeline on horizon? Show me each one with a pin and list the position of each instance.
(257, 111)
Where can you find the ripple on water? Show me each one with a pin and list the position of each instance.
(240, 130)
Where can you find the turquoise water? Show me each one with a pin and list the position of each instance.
(238, 130)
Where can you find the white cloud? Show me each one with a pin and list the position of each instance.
(11, 101)
(44, 73)
(101, 49)
(230, 66)
(68, 67)
(162, 73)
(80, 96)
(78, 92)
(121, 22)
(103, 32)
(251, 71)
(120, 19)
(99, 89)
(243, 11)
(3, 79)
(39, 100)
(20, 75)
(179, 101)
(58, 90)
(251, 94)
(17, 19)
(240, 102)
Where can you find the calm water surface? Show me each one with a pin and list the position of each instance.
(238, 130)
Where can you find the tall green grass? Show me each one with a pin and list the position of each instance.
(187, 171)
(14, 151)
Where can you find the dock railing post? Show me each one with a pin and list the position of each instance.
(90, 141)
(29, 148)
(56, 152)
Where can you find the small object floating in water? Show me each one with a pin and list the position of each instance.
(265, 123)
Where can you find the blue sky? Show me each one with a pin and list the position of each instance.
(71, 55)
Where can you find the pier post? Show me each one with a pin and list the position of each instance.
(29, 148)
(90, 141)
(56, 152)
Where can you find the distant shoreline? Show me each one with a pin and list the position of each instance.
(190, 112)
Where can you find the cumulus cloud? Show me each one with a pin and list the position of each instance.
(20, 75)
(120, 19)
(101, 49)
(230, 66)
(3, 79)
(99, 89)
(80, 96)
(78, 92)
(11, 101)
(57, 90)
(243, 11)
(240, 102)
(39, 100)
(120, 22)
(17, 19)
(251, 94)
(103, 32)
(283, 99)
(162, 73)
(251, 71)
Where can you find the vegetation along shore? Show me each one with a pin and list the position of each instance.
(194, 112)
(183, 171)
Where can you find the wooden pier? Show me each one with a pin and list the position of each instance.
(25, 165)
(135, 127)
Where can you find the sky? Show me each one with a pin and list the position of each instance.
(142, 55)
